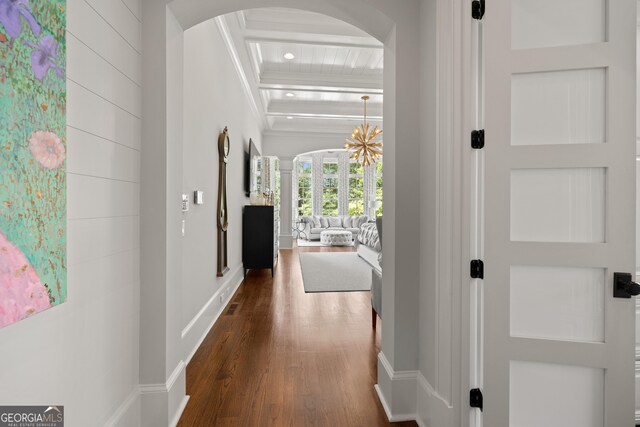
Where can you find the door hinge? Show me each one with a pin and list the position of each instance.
(477, 139)
(477, 269)
(477, 9)
(475, 398)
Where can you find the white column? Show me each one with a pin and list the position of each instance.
(294, 191)
(369, 190)
(343, 183)
(317, 183)
(286, 236)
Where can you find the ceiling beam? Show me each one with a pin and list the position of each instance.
(318, 108)
(322, 82)
(327, 116)
(336, 41)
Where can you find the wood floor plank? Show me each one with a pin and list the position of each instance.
(280, 357)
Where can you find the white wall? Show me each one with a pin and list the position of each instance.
(213, 98)
(286, 145)
(83, 354)
(637, 373)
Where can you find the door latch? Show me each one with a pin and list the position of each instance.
(624, 286)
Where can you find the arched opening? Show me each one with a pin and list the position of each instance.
(398, 29)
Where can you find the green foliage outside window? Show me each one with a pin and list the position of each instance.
(330, 168)
(304, 167)
(304, 196)
(379, 187)
(330, 197)
(356, 196)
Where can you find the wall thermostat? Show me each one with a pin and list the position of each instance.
(197, 197)
(185, 202)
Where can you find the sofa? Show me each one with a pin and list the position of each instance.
(314, 225)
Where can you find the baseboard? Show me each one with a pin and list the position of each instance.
(432, 409)
(128, 413)
(197, 329)
(179, 411)
(163, 404)
(396, 391)
(285, 241)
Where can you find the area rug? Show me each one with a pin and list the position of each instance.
(302, 243)
(334, 272)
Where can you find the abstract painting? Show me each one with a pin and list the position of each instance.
(33, 211)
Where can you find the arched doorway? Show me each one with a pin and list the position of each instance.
(165, 23)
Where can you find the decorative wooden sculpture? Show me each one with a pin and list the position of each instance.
(223, 216)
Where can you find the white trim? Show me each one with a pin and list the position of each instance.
(303, 135)
(166, 387)
(432, 406)
(236, 279)
(178, 414)
(637, 379)
(158, 397)
(237, 64)
(125, 407)
(399, 402)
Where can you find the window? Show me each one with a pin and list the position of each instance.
(356, 189)
(330, 188)
(304, 187)
(258, 176)
(378, 177)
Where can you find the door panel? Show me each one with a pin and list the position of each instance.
(557, 303)
(559, 107)
(559, 21)
(558, 205)
(565, 395)
(559, 208)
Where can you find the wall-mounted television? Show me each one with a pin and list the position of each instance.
(251, 161)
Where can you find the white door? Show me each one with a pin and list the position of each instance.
(559, 212)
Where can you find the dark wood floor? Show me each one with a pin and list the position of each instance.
(280, 357)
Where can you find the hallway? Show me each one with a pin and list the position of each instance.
(280, 357)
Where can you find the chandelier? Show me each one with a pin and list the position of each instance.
(363, 145)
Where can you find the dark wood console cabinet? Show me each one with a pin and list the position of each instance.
(259, 240)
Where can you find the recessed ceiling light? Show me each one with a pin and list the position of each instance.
(290, 94)
(289, 55)
(289, 117)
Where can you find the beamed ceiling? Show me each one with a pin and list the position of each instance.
(319, 90)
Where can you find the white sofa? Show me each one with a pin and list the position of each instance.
(314, 225)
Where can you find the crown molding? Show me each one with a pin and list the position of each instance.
(237, 63)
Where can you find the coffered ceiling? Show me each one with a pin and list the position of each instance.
(304, 72)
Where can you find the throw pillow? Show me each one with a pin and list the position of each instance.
(323, 222)
(315, 221)
(335, 221)
(346, 221)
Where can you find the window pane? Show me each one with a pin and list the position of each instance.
(356, 188)
(330, 207)
(356, 207)
(379, 167)
(356, 169)
(304, 167)
(304, 207)
(330, 168)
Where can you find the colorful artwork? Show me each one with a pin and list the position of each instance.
(33, 211)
